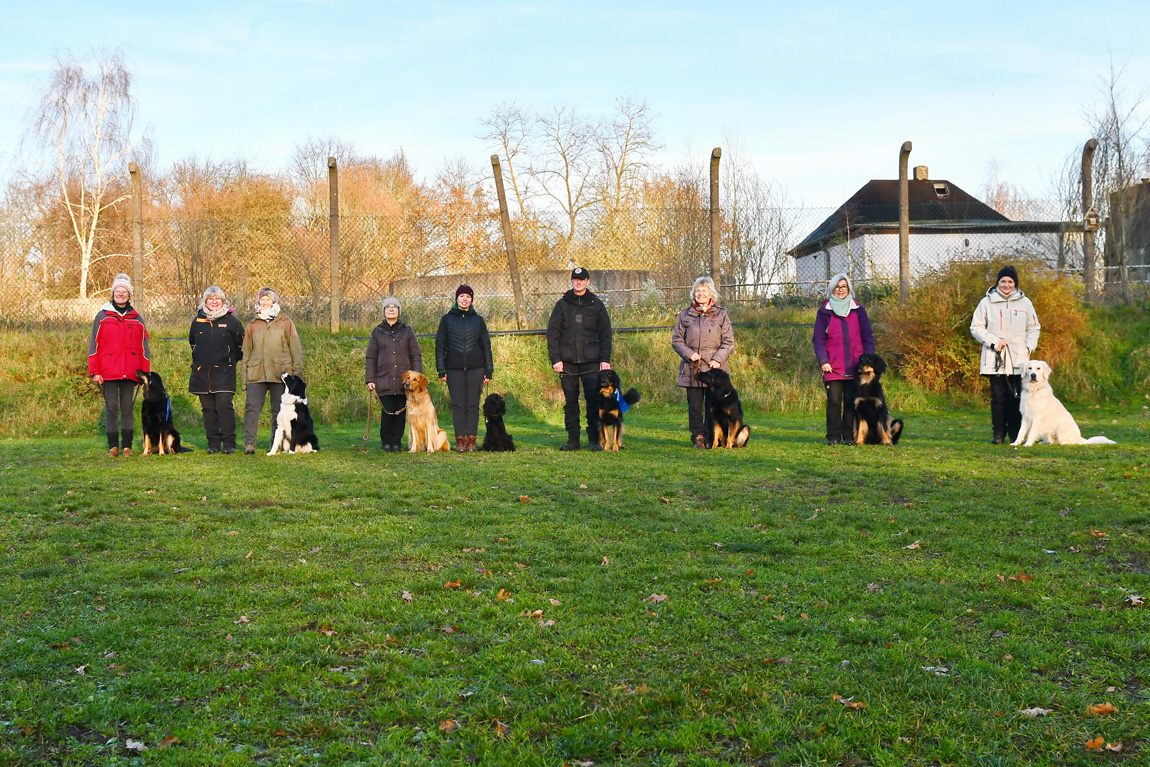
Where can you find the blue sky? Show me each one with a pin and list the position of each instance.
(819, 95)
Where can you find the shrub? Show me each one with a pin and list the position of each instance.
(929, 336)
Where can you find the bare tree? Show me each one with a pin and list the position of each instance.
(308, 171)
(625, 143)
(565, 163)
(1008, 199)
(509, 129)
(83, 130)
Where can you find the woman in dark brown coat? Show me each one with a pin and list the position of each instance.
(703, 338)
(391, 352)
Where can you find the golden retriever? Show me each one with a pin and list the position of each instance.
(425, 433)
(1043, 416)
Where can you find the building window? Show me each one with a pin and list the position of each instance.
(941, 190)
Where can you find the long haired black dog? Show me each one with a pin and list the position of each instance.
(613, 403)
(295, 430)
(496, 439)
(160, 435)
(725, 415)
(865, 397)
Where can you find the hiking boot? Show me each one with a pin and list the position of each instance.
(460, 444)
(114, 452)
(699, 442)
(471, 448)
(228, 450)
(126, 452)
(593, 439)
(571, 444)
(249, 449)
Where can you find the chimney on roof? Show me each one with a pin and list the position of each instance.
(921, 173)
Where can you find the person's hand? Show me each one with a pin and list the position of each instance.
(558, 366)
(1001, 345)
(371, 386)
(486, 380)
(826, 367)
(98, 379)
(604, 365)
(715, 364)
(443, 378)
(694, 357)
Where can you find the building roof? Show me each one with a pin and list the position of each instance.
(935, 206)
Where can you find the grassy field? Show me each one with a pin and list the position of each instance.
(661, 606)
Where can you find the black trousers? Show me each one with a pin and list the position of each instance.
(1005, 405)
(392, 419)
(219, 419)
(840, 421)
(465, 388)
(119, 419)
(698, 405)
(570, 382)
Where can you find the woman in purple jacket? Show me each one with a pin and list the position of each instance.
(842, 335)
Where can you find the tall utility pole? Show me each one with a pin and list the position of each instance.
(137, 231)
(903, 225)
(509, 244)
(1089, 218)
(333, 242)
(716, 153)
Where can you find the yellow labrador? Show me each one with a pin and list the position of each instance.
(1043, 416)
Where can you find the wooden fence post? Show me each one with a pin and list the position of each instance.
(509, 244)
(903, 225)
(1089, 222)
(137, 232)
(716, 220)
(333, 242)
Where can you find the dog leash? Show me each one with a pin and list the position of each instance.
(367, 426)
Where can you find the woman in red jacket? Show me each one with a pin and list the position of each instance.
(117, 348)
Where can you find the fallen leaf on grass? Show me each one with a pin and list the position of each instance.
(850, 703)
(171, 740)
(915, 545)
(577, 763)
(233, 532)
(1095, 744)
(337, 669)
(135, 745)
(447, 629)
(1032, 712)
(501, 728)
(606, 561)
(873, 588)
(326, 630)
(448, 725)
(664, 499)
(1135, 601)
(536, 614)
(453, 584)
(524, 498)
(1115, 747)
(547, 624)
(503, 595)
(780, 617)
(406, 596)
(582, 487)
(656, 598)
(1102, 709)
(554, 602)
(241, 620)
(82, 670)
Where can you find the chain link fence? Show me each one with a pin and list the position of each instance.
(645, 258)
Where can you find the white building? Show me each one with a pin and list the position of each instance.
(861, 237)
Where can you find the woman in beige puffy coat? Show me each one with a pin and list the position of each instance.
(271, 348)
(703, 338)
(1006, 327)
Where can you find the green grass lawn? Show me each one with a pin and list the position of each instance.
(661, 606)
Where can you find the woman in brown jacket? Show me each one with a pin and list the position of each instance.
(271, 348)
(702, 337)
(392, 351)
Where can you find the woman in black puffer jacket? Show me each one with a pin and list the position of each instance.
(217, 339)
(463, 361)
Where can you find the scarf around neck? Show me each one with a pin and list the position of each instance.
(272, 312)
(841, 306)
(216, 314)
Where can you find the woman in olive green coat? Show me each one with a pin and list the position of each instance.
(271, 348)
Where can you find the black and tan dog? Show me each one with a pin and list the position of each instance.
(160, 435)
(495, 438)
(866, 404)
(295, 430)
(613, 403)
(725, 415)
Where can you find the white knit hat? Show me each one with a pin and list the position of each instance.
(122, 281)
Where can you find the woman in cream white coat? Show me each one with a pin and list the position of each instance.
(1006, 326)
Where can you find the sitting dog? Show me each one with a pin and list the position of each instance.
(496, 439)
(425, 433)
(725, 414)
(295, 431)
(613, 403)
(1043, 416)
(160, 435)
(866, 403)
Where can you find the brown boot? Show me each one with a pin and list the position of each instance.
(471, 448)
(460, 444)
(126, 452)
(114, 452)
(700, 442)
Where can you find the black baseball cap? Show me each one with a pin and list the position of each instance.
(579, 273)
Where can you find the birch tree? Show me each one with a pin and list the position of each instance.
(82, 129)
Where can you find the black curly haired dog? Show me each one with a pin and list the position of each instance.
(866, 404)
(160, 435)
(496, 439)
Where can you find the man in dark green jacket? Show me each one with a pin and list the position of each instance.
(579, 346)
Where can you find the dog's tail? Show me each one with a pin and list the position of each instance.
(895, 430)
(183, 449)
(1100, 441)
(631, 396)
(742, 435)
